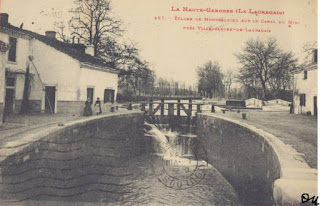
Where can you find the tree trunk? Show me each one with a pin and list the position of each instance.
(263, 83)
(25, 100)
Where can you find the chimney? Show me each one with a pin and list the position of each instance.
(90, 49)
(51, 34)
(4, 19)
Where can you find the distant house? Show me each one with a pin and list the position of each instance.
(63, 75)
(305, 85)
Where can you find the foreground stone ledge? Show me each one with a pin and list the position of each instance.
(64, 160)
(295, 175)
(45, 133)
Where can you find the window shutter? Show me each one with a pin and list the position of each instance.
(13, 49)
(105, 96)
(302, 99)
(109, 95)
(112, 96)
(305, 76)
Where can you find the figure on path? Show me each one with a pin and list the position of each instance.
(87, 109)
(97, 106)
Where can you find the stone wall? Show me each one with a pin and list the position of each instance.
(74, 161)
(261, 168)
(34, 106)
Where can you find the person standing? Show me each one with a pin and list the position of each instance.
(97, 106)
(87, 109)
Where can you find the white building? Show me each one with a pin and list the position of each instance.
(63, 75)
(305, 88)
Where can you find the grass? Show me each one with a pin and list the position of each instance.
(300, 131)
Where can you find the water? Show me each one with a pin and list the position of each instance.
(212, 189)
(170, 172)
(148, 190)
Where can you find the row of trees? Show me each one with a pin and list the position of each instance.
(143, 84)
(166, 88)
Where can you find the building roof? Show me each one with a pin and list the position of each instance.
(308, 67)
(76, 51)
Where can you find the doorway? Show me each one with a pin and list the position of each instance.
(8, 108)
(90, 92)
(50, 99)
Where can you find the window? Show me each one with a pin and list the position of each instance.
(13, 49)
(315, 56)
(302, 99)
(109, 95)
(90, 92)
(305, 74)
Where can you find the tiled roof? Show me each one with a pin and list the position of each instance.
(75, 51)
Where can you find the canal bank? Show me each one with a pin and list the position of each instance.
(69, 161)
(261, 167)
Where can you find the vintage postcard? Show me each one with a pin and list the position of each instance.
(158, 102)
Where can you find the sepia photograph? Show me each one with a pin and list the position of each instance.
(158, 102)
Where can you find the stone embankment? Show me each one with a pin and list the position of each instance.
(75, 162)
(260, 167)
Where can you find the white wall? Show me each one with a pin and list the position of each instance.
(305, 86)
(55, 69)
(23, 46)
(100, 80)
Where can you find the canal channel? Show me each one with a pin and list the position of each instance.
(92, 169)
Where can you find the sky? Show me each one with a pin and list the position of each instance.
(174, 52)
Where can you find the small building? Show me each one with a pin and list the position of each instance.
(62, 75)
(305, 87)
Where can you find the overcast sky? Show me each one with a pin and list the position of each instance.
(173, 52)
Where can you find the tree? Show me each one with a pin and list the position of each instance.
(138, 79)
(60, 27)
(228, 79)
(281, 79)
(92, 23)
(210, 79)
(263, 62)
(121, 55)
(308, 50)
